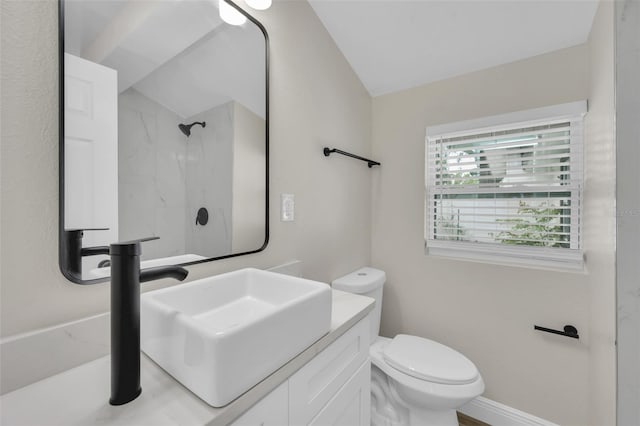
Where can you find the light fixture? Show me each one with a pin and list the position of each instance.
(230, 15)
(259, 4)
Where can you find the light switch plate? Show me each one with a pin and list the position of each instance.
(287, 207)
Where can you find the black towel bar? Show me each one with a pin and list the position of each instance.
(569, 331)
(370, 163)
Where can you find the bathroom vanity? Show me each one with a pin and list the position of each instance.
(331, 389)
(328, 383)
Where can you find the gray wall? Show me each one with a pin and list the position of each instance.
(627, 18)
(599, 220)
(488, 311)
(248, 183)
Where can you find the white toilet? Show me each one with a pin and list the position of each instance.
(414, 381)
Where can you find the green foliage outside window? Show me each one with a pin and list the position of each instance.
(540, 226)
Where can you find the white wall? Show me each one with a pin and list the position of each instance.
(316, 100)
(487, 311)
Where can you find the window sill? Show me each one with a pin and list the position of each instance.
(571, 262)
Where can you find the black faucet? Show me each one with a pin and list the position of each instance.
(75, 252)
(126, 277)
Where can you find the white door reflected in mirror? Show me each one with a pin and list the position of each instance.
(91, 152)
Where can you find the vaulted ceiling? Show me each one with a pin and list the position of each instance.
(391, 44)
(397, 44)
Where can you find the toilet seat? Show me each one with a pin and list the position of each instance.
(428, 360)
(440, 395)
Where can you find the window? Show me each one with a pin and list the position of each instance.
(507, 189)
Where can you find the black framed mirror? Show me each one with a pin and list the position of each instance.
(164, 132)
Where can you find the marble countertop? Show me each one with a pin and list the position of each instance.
(79, 396)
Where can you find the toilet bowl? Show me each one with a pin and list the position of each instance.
(414, 381)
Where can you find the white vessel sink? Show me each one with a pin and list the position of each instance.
(220, 336)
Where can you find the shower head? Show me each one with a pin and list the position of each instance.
(186, 128)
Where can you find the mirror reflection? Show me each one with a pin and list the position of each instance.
(165, 131)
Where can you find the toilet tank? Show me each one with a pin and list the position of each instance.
(367, 282)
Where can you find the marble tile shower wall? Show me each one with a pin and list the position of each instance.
(152, 176)
(209, 181)
(165, 177)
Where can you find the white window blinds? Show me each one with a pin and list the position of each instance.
(507, 191)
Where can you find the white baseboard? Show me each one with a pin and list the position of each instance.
(497, 414)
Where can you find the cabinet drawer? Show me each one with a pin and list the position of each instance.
(351, 405)
(315, 384)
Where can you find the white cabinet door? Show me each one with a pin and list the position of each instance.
(332, 389)
(272, 410)
(351, 405)
(315, 384)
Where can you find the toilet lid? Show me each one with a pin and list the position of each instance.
(429, 360)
